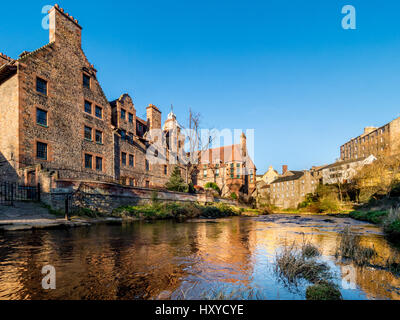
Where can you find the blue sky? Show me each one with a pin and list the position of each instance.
(284, 68)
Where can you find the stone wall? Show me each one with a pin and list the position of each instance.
(104, 197)
(62, 63)
(9, 129)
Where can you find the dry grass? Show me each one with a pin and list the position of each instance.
(292, 264)
(349, 247)
(308, 250)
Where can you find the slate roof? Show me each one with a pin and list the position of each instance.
(289, 177)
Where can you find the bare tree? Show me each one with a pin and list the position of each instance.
(195, 146)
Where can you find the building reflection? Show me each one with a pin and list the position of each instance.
(178, 260)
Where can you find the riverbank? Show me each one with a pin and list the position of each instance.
(34, 215)
(178, 211)
(389, 220)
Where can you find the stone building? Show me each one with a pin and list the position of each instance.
(55, 119)
(382, 141)
(230, 167)
(291, 187)
(343, 171)
(53, 112)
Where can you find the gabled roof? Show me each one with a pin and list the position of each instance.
(225, 154)
(289, 176)
(340, 163)
(9, 69)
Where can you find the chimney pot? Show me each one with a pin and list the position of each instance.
(284, 169)
(56, 5)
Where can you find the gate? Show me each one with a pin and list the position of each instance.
(10, 192)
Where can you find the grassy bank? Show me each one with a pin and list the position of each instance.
(174, 210)
(388, 219)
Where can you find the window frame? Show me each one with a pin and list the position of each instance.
(46, 93)
(46, 158)
(84, 74)
(47, 118)
(85, 131)
(101, 163)
(84, 106)
(90, 156)
(101, 136)
(96, 107)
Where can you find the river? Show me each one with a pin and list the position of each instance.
(199, 259)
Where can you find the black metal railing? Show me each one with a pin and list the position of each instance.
(10, 192)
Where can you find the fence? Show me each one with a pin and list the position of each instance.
(10, 192)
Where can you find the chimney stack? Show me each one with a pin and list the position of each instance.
(284, 169)
(64, 28)
(153, 117)
(243, 144)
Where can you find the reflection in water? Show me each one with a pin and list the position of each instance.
(183, 260)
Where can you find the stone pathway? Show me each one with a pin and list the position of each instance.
(31, 215)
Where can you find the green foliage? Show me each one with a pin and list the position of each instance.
(175, 210)
(369, 216)
(176, 182)
(233, 196)
(323, 291)
(328, 204)
(325, 200)
(213, 185)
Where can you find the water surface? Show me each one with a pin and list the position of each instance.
(224, 258)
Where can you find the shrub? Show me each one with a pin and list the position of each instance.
(213, 185)
(391, 223)
(328, 204)
(233, 196)
(176, 183)
(323, 291)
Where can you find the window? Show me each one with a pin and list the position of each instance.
(41, 86)
(147, 184)
(99, 136)
(205, 173)
(217, 172)
(123, 135)
(99, 164)
(41, 117)
(88, 161)
(147, 165)
(41, 150)
(130, 117)
(88, 133)
(88, 107)
(123, 114)
(99, 112)
(86, 81)
(131, 160)
(130, 137)
(123, 158)
(131, 182)
(165, 169)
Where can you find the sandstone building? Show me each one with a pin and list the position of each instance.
(230, 167)
(291, 187)
(343, 171)
(55, 119)
(382, 141)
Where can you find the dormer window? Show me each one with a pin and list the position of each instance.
(86, 81)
